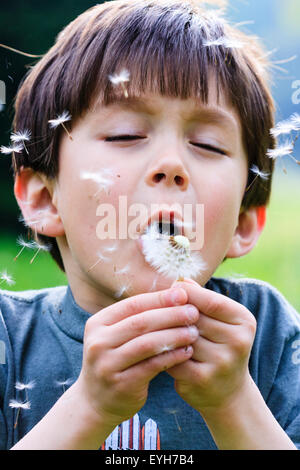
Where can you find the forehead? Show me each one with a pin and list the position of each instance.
(216, 110)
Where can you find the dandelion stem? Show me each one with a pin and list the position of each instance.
(69, 135)
(17, 417)
(19, 52)
(95, 264)
(35, 256)
(19, 253)
(252, 182)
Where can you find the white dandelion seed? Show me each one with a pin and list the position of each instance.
(174, 412)
(111, 249)
(122, 290)
(171, 255)
(228, 43)
(21, 136)
(24, 244)
(34, 220)
(11, 149)
(120, 79)
(101, 258)
(22, 386)
(261, 174)
(65, 116)
(39, 247)
(283, 127)
(5, 277)
(281, 150)
(295, 119)
(19, 406)
(258, 174)
(101, 178)
(123, 270)
(64, 383)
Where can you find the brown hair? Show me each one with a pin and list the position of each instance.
(169, 47)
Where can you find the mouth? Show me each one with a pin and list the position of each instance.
(166, 223)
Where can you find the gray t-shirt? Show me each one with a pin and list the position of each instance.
(41, 343)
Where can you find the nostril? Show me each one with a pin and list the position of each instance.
(179, 180)
(158, 177)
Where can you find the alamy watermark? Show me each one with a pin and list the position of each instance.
(2, 94)
(127, 221)
(296, 94)
(2, 352)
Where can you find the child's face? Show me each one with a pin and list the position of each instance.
(185, 153)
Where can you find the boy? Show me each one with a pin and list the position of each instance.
(161, 102)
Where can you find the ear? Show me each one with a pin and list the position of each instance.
(250, 225)
(36, 198)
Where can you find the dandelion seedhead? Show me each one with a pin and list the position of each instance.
(120, 79)
(171, 255)
(60, 120)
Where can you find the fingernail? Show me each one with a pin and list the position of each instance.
(188, 349)
(176, 296)
(191, 312)
(193, 330)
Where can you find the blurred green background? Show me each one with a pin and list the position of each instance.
(32, 26)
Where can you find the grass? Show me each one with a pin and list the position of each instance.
(275, 259)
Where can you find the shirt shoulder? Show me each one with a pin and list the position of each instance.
(270, 308)
(20, 309)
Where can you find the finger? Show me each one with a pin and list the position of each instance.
(150, 345)
(215, 305)
(209, 352)
(215, 330)
(150, 321)
(140, 303)
(149, 368)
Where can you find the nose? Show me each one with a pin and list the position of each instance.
(168, 172)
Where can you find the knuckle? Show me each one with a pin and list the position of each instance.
(134, 305)
(224, 362)
(214, 304)
(94, 347)
(138, 325)
(242, 344)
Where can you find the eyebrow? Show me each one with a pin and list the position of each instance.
(207, 114)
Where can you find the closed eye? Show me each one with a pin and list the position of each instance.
(210, 148)
(123, 138)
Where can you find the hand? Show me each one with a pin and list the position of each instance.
(218, 370)
(129, 343)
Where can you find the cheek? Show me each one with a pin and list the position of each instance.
(221, 213)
